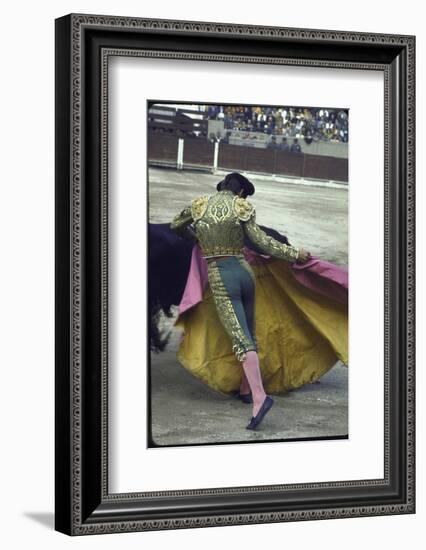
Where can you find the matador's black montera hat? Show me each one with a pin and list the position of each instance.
(246, 184)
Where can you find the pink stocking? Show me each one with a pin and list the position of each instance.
(254, 377)
(244, 386)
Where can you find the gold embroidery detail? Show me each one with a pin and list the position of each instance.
(219, 231)
(243, 208)
(181, 220)
(199, 206)
(268, 244)
(219, 220)
(220, 211)
(222, 250)
(240, 343)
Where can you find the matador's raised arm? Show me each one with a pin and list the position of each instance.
(182, 220)
(181, 223)
(247, 214)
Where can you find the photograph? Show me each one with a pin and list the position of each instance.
(247, 273)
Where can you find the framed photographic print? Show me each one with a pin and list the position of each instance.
(234, 274)
(190, 148)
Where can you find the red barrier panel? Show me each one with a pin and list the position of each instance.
(162, 147)
(198, 152)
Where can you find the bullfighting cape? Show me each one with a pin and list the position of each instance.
(301, 323)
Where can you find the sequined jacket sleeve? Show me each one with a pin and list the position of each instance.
(247, 215)
(182, 221)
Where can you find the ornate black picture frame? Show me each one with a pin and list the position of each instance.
(83, 45)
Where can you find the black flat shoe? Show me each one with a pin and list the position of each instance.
(244, 397)
(256, 420)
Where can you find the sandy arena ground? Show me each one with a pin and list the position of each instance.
(186, 411)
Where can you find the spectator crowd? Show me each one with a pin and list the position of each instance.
(308, 124)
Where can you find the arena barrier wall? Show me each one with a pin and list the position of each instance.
(199, 153)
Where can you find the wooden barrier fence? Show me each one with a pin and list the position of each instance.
(200, 153)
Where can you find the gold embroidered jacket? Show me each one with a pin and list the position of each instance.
(219, 222)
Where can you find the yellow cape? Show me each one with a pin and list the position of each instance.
(300, 334)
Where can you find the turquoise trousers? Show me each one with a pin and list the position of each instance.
(233, 285)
